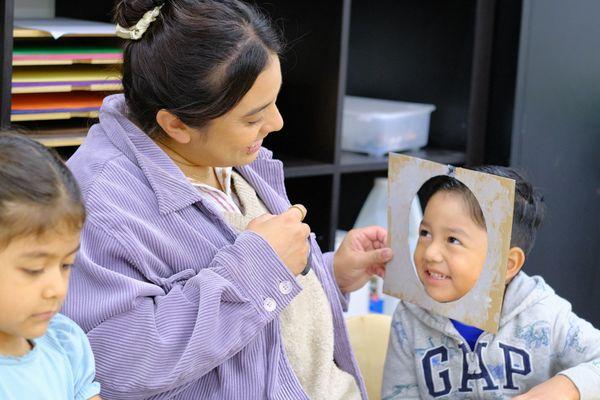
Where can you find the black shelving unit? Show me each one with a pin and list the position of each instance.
(420, 51)
(6, 46)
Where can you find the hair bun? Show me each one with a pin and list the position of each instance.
(128, 12)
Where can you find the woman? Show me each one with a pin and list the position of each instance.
(196, 280)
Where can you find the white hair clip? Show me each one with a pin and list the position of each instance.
(135, 32)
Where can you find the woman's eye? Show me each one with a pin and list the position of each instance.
(453, 240)
(254, 122)
(67, 266)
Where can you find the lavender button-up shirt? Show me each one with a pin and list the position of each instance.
(175, 303)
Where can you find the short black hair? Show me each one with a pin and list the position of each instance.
(529, 208)
(444, 183)
(37, 190)
(528, 211)
(197, 60)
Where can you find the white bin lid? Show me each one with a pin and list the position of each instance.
(366, 107)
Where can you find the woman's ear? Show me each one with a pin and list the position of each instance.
(516, 259)
(173, 127)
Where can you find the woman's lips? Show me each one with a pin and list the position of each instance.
(254, 148)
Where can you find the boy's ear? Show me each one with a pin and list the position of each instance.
(516, 259)
(173, 127)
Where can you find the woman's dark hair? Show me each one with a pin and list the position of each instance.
(38, 193)
(443, 183)
(529, 207)
(196, 60)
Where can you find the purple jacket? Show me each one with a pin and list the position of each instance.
(174, 302)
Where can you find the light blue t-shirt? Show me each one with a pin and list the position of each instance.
(60, 366)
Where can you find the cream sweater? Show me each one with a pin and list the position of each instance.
(306, 323)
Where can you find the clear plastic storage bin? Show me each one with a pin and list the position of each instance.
(376, 126)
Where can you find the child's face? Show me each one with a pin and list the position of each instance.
(34, 275)
(452, 248)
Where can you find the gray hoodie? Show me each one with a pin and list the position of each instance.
(539, 336)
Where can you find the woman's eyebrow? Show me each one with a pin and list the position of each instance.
(259, 109)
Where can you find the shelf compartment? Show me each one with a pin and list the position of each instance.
(53, 116)
(64, 79)
(315, 193)
(300, 167)
(60, 137)
(357, 162)
(35, 107)
(61, 27)
(66, 55)
(61, 88)
(354, 189)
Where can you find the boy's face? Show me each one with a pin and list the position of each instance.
(452, 248)
(34, 275)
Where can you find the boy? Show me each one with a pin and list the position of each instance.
(542, 350)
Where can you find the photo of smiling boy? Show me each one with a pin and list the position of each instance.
(43, 354)
(542, 350)
(452, 245)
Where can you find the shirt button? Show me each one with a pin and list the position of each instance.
(269, 304)
(285, 287)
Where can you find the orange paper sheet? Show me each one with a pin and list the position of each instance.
(42, 102)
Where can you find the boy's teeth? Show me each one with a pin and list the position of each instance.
(437, 276)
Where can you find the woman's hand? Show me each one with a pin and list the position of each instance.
(557, 388)
(287, 235)
(362, 254)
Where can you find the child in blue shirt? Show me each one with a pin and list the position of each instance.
(542, 349)
(43, 355)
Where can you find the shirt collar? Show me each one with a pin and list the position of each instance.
(172, 189)
(169, 184)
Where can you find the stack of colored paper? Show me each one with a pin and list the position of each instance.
(64, 79)
(30, 107)
(62, 69)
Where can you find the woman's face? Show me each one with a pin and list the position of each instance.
(235, 138)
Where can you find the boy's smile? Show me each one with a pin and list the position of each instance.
(452, 248)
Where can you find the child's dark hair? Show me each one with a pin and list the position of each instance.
(528, 207)
(528, 211)
(443, 183)
(196, 60)
(37, 191)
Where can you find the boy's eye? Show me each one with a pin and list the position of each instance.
(67, 266)
(453, 240)
(424, 233)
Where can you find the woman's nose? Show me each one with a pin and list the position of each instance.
(274, 121)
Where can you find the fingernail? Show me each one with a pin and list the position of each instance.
(386, 253)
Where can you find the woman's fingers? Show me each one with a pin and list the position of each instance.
(287, 234)
(298, 210)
